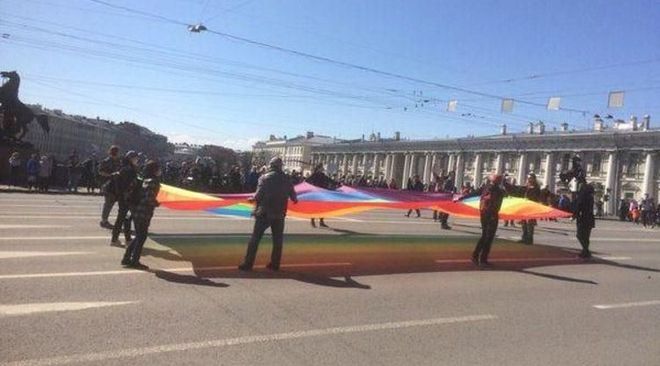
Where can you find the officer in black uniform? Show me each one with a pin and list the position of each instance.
(125, 183)
(584, 213)
(145, 200)
(492, 195)
(532, 193)
(273, 193)
(109, 166)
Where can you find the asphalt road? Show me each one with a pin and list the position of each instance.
(375, 289)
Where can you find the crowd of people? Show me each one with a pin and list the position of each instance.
(132, 181)
(643, 212)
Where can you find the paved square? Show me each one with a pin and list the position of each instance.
(376, 288)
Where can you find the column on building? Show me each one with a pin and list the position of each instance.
(434, 166)
(344, 165)
(365, 169)
(478, 168)
(549, 178)
(393, 166)
(499, 164)
(427, 168)
(412, 170)
(648, 185)
(460, 170)
(451, 163)
(354, 165)
(387, 167)
(610, 183)
(376, 168)
(406, 169)
(522, 169)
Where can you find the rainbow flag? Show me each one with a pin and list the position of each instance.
(317, 202)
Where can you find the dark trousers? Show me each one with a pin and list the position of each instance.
(110, 200)
(123, 220)
(488, 230)
(528, 232)
(416, 211)
(583, 234)
(134, 249)
(443, 218)
(277, 229)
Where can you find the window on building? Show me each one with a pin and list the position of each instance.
(596, 164)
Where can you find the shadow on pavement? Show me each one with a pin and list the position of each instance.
(333, 259)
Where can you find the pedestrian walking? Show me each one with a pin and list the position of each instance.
(492, 195)
(532, 192)
(144, 198)
(89, 173)
(273, 192)
(45, 172)
(74, 170)
(108, 170)
(32, 169)
(126, 183)
(321, 180)
(415, 185)
(584, 216)
(14, 169)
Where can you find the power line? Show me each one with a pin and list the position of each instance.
(570, 71)
(331, 60)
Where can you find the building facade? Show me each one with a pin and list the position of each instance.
(623, 162)
(87, 136)
(294, 152)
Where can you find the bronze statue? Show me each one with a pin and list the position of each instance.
(16, 115)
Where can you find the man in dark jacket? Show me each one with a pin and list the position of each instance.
(273, 193)
(321, 180)
(584, 215)
(125, 184)
(490, 203)
(447, 187)
(142, 214)
(532, 192)
(107, 168)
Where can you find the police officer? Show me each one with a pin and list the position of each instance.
(108, 167)
(145, 200)
(532, 193)
(492, 195)
(273, 192)
(584, 214)
(125, 183)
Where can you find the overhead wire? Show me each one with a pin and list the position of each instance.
(332, 61)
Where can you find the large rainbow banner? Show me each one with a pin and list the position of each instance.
(318, 202)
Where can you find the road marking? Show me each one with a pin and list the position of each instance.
(156, 217)
(266, 338)
(51, 206)
(7, 255)
(33, 226)
(631, 240)
(26, 309)
(628, 305)
(24, 238)
(347, 219)
(177, 270)
(550, 259)
(612, 258)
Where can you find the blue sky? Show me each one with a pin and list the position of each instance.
(88, 58)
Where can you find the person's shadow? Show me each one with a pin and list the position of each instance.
(333, 260)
